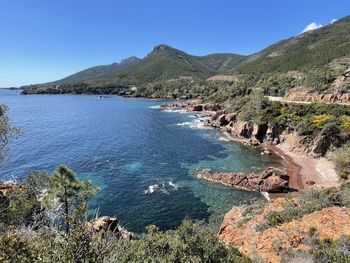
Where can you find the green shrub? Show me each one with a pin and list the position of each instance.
(18, 248)
(341, 159)
(333, 251)
(307, 203)
(189, 243)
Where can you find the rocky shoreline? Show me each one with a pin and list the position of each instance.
(299, 162)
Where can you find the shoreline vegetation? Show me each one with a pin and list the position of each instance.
(305, 172)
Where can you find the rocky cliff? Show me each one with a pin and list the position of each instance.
(310, 96)
(255, 134)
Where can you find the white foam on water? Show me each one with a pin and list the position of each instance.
(266, 195)
(163, 187)
(224, 139)
(175, 110)
(155, 107)
(195, 124)
(173, 185)
(151, 189)
(163, 190)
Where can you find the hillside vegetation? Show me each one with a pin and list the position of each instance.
(99, 71)
(162, 63)
(310, 50)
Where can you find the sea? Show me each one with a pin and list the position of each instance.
(142, 157)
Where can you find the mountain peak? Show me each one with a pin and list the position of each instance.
(160, 48)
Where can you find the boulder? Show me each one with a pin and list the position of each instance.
(273, 134)
(246, 129)
(211, 107)
(222, 120)
(230, 117)
(108, 223)
(198, 107)
(105, 223)
(310, 182)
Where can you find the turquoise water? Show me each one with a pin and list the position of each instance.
(142, 157)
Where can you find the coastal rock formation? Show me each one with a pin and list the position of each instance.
(270, 243)
(178, 103)
(255, 134)
(271, 180)
(193, 105)
(300, 94)
(10, 186)
(108, 223)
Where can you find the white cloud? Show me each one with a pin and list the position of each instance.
(333, 21)
(312, 26)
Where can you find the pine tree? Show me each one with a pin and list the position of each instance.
(66, 190)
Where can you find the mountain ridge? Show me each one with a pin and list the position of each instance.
(162, 63)
(315, 59)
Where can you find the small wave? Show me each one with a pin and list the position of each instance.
(173, 185)
(151, 189)
(224, 137)
(11, 180)
(176, 110)
(155, 107)
(162, 187)
(195, 124)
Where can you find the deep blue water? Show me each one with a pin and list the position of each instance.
(141, 157)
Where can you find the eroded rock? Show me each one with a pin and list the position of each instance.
(271, 180)
(107, 223)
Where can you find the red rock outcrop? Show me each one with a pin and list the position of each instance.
(271, 180)
(300, 94)
(108, 223)
(272, 242)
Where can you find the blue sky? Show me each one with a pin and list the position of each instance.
(44, 40)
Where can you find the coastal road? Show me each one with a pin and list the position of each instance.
(281, 99)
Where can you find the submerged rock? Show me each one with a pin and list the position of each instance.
(271, 180)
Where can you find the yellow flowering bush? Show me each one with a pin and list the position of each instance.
(320, 120)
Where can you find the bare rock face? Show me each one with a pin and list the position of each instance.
(105, 223)
(198, 107)
(108, 223)
(332, 222)
(271, 180)
(212, 107)
(322, 143)
(300, 94)
(256, 133)
(6, 186)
